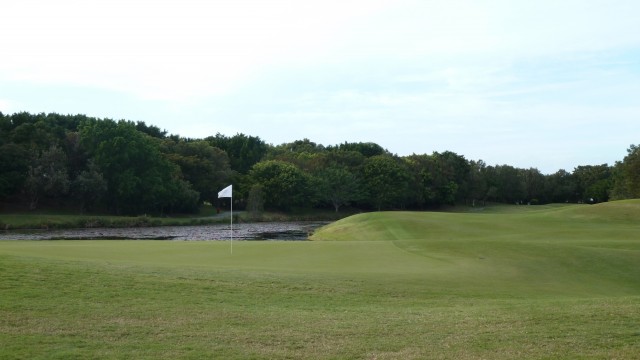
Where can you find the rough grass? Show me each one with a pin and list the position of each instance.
(206, 215)
(553, 282)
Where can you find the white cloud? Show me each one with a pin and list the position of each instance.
(164, 49)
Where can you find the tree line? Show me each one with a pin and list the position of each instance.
(126, 167)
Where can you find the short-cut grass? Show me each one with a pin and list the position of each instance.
(559, 281)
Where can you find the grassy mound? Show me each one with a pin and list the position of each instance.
(529, 222)
(576, 249)
(624, 211)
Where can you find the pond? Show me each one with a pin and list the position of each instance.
(296, 231)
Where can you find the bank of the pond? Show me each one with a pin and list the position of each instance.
(49, 221)
(299, 230)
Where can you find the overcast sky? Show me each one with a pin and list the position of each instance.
(550, 84)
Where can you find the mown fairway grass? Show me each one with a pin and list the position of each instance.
(528, 282)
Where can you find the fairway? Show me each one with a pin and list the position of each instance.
(557, 281)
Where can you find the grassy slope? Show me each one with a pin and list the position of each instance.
(555, 250)
(559, 282)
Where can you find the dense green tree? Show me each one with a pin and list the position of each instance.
(560, 187)
(367, 149)
(140, 179)
(451, 175)
(14, 165)
(243, 151)
(151, 130)
(626, 175)
(386, 181)
(478, 185)
(298, 146)
(24, 134)
(180, 196)
(204, 166)
(5, 129)
(533, 182)
(89, 187)
(338, 186)
(47, 176)
(350, 159)
(593, 182)
(440, 178)
(422, 184)
(147, 171)
(20, 118)
(304, 154)
(505, 184)
(76, 155)
(41, 131)
(285, 186)
(632, 170)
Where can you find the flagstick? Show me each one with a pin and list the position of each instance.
(231, 224)
(228, 193)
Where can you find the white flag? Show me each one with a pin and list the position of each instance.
(226, 192)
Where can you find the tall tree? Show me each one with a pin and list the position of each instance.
(140, 179)
(47, 176)
(14, 165)
(593, 182)
(89, 187)
(367, 149)
(204, 166)
(243, 151)
(440, 178)
(533, 182)
(632, 170)
(151, 130)
(386, 181)
(626, 175)
(304, 154)
(339, 186)
(478, 186)
(422, 182)
(285, 186)
(560, 187)
(452, 174)
(505, 184)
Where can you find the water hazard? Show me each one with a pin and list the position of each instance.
(244, 231)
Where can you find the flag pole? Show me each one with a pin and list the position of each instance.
(228, 193)
(231, 224)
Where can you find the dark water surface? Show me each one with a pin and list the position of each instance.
(244, 231)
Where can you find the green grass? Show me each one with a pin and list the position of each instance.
(519, 282)
(66, 219)
(69, 221)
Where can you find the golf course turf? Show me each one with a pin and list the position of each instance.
(553, 281)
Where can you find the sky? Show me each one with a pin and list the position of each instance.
(548, 84)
